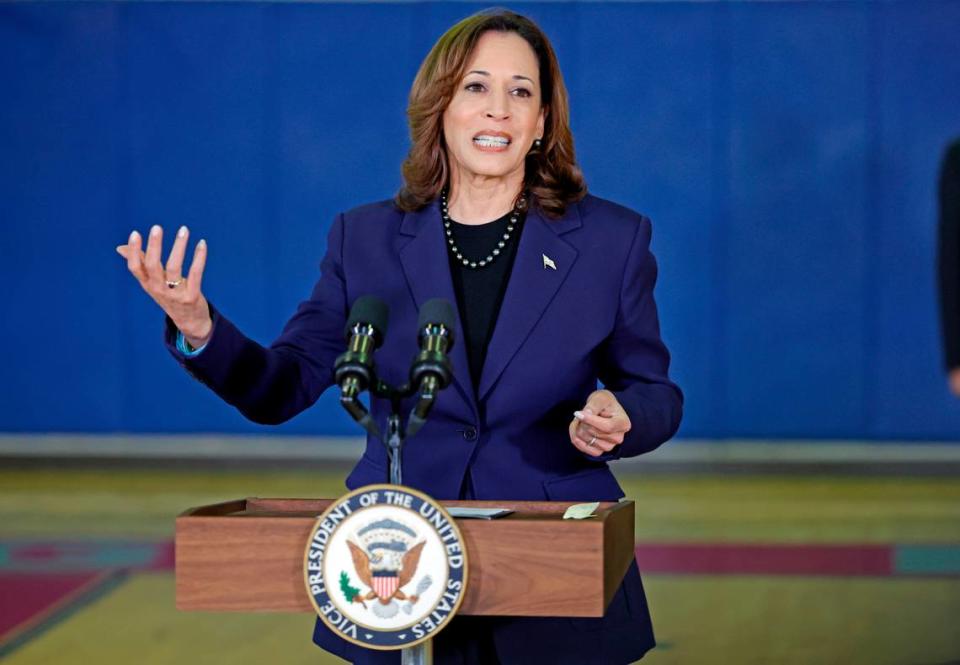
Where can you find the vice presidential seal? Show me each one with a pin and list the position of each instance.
(385, 567)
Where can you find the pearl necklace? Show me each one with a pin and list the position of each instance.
(511, 225)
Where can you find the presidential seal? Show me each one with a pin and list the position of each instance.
(385, 567)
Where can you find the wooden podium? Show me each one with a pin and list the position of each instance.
(248, 556)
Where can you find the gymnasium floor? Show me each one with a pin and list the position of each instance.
(738, 568)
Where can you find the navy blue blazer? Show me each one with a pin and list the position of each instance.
(559, 331)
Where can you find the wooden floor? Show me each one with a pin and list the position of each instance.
(738, 569)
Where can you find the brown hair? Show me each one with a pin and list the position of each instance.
(551, 171)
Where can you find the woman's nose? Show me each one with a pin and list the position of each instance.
(497, 108)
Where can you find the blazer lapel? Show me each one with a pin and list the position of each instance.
(542, 264)
(426, 268)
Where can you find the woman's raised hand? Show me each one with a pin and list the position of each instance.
(178, 296)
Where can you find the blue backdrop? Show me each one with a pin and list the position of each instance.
(787, 153)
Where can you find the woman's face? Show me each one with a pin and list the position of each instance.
(496, 111)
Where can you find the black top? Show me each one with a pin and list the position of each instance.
(479, 291)
(949, 237)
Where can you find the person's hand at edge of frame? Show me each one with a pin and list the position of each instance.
(600, 425)
(953, 381)
(178, 296)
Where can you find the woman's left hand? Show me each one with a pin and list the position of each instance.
(600, 425)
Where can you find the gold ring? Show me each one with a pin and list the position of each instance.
(173, 285)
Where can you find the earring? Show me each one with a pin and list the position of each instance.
(537, 143)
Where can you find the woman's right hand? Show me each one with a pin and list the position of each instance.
(178, 296)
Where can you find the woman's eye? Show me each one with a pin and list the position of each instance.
(474, 87)
(522, 92)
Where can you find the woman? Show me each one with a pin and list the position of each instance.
(553, 288)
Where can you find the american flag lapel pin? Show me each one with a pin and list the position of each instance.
(548, 263)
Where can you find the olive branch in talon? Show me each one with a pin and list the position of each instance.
(352, 593)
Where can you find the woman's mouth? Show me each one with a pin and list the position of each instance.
(491, 142)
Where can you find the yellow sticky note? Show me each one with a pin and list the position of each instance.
(581, 511)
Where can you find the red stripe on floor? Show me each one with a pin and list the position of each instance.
(163, 557)
(26, 597)
(724, 559)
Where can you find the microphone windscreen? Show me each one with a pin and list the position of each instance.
(437, 311)
(370, 310)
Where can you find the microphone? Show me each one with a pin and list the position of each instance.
(353, 370)
(431, 371)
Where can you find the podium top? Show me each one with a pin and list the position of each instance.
(311, 508)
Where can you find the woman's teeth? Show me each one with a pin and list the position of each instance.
(491, 141)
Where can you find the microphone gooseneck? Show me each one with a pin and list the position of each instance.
(354, 369)
(431, 370)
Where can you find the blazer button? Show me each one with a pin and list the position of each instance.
(470, 434)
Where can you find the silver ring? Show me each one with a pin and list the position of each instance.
(173, 285)
(593, 441)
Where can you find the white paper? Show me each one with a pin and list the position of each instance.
(478, 513)
(581, 511)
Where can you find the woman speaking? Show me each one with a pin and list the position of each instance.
(553, 289)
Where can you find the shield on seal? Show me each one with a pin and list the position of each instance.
(385, 584)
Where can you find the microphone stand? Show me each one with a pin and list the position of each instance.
(420, 654)
(396, 432)
(394, 442)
